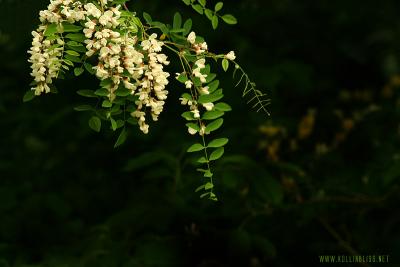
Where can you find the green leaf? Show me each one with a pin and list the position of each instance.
(202, 160)
(50, 30)
(214, 22)
(210, 97)
(222, 107)
(205, 194)
(214, 125)
(211, 77)
(195, 148)
(147, 18)
(218, 6)
(67, 27)
(121, 138)
(188, 116)
(83, 108)
(113, 124)
(208, 174)
(95, 123)
(120, 123)
(202, 2)
(213, 197)
(229, 19)
(225, 64)
(68, 62)
(89, 68)
(78, 48)
(187, 2)
(212, 115)
(78, 37)
(187, 96)
(187, 26)
(218, 142)
(86, 93)
(73, 58)
(101, 92)
(106, 82)
(72, 53)
(201, 187)
(106, 104)
(122, 92)
(198, 8)
(177, 21)
(182, 78)
(208, 186)
(193, 126)
(54, 46)
(209, 13)
(28, 96)
(213, 86)
(217, 153)
(78, 71)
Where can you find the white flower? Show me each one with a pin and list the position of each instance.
(192, 131)
(202, 130)
(192, 38)
(116, 10)
(196, 113)
(201, 63)
(204, 90)
(90, 24)
(104, 51)
(204, 46)
(188, 84)
(230, 55)
(208, 106)
(92, 10)
(106, 17)
(184, 101)
(88, 33)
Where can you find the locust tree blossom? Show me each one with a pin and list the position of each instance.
(199, 48)
(45, 54)
(230, 55)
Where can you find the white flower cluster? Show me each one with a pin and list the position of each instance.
(46, 55)
(143, 61)
(199, 48)
(103, 39)
(152, 84)
(62, 10)
(122, 59)
(45, 62)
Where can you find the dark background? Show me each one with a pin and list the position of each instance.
(320, 176)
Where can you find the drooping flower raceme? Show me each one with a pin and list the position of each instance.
(46, 53)
(126, 56)
(122, 60)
